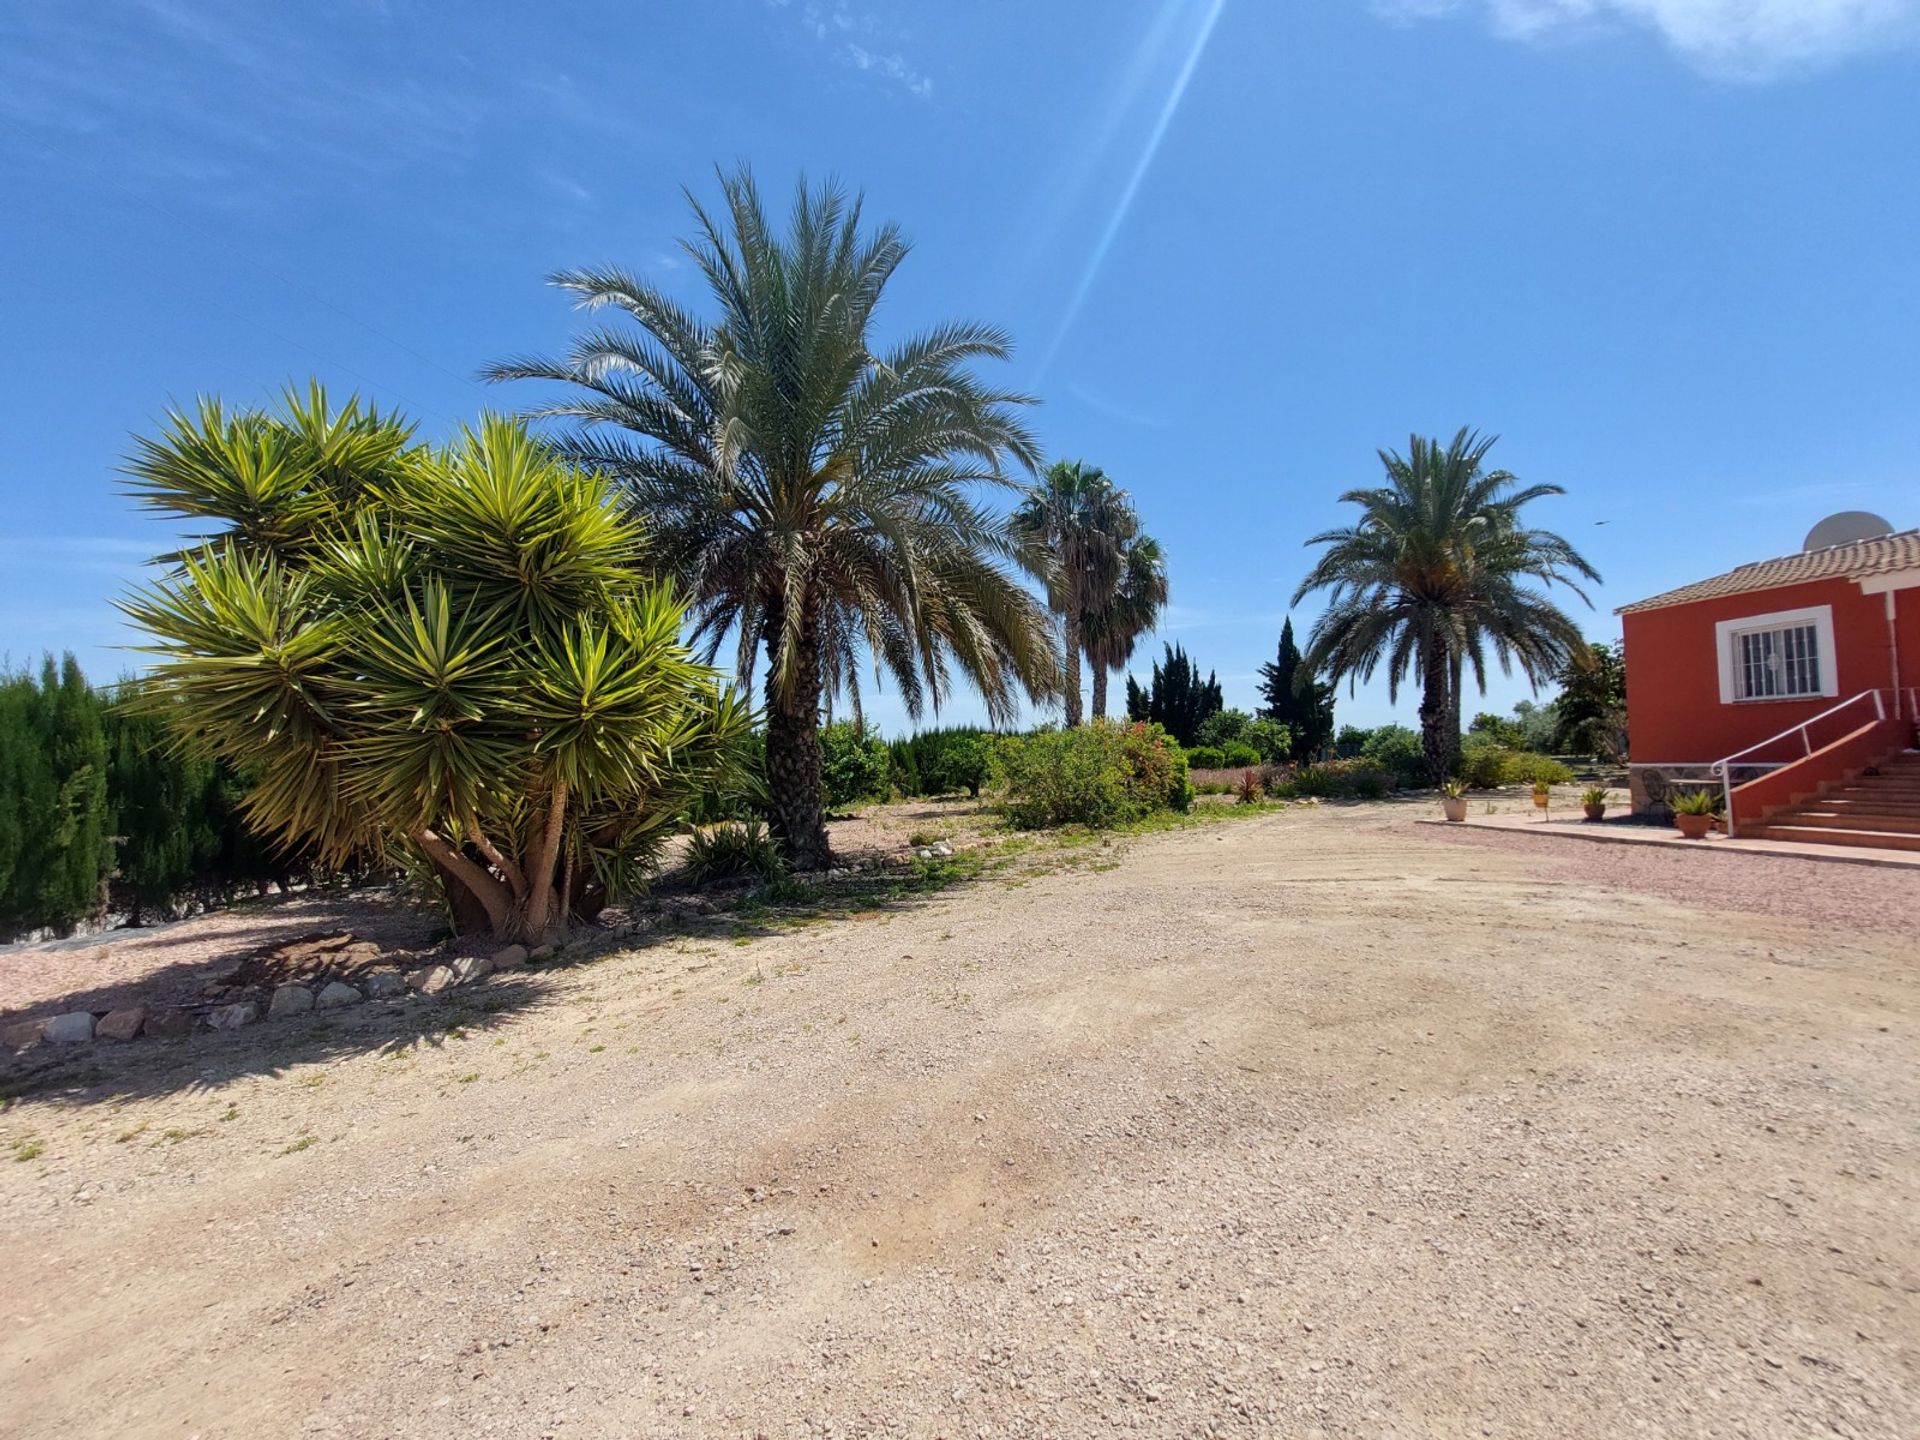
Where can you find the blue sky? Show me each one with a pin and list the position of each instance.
(1664, 248)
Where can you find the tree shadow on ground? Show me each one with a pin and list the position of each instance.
(86, 1074)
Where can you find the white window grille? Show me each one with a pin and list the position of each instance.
(1778, 663)
(1788, 655)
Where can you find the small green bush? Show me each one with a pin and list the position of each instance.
(1523, 767)
(1398, 749)
(1222, 728)
(1362, 778)
(1099, 774)
(731, 851)
(1239, 755)
(1273, 740)
(940, 762)
(853, 763)
(1206, 757)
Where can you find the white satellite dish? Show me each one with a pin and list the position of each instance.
(1845, 528)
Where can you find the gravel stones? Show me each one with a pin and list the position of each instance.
(121, 1024)
(430, 979)
(232, 1017)
(383, 984)
(168, 1024)
(73, 1028)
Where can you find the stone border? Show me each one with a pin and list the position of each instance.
(80, 1027)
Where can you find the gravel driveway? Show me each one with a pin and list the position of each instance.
(1307, 1125)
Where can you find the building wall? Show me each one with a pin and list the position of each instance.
(1674, 711)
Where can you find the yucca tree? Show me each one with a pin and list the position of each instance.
(1433, 574)
(1074, 523)
(452, 656)
(1111, 629)
(817, 494)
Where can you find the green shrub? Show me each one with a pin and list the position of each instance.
(1278, 781)
(732, 850)
(1523, 767)
(1362, 778)
(1206, 757)
(853, 763)
(1272, 740)
(1222, 728)
(940, 762)
(1398, 749)
(1099, 774)
(1239, 755)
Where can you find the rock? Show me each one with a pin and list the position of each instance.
(539, 952)
(289, 1000)
(472, 967)
(383, 984)
(169, 1024)
(430, 979)
(74, 1028)
(337, 993)
(121, 1024)
(942, 848)
(23, 1034)
(232, 1017)
(514, 956)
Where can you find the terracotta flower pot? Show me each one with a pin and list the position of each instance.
(1540, 798)
(1454, 807)
(1694, 827)
(1595, 812)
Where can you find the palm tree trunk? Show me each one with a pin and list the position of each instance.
(1435, 708)
(1099, 689)
(794, 783)
(1070, 621)
(1453, 712)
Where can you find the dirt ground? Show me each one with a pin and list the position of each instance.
(1314, 1124)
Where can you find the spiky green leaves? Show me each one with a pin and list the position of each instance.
(405, 643)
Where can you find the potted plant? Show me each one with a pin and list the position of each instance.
(1593, 800)
(1542, 793)
(1453, 801)
(1693, 813)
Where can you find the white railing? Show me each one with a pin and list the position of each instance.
(1723, 768)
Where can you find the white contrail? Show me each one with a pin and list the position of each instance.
(1132, 189)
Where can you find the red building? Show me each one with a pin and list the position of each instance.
(1791, 684)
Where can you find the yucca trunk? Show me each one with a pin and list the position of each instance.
(794, 782)
(1070, 622)
(1436, 711)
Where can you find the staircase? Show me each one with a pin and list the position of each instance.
(1879, 807)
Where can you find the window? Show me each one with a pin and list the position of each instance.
(1784, 656)
(1776, 664)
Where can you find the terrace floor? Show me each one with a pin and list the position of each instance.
(1621, 832)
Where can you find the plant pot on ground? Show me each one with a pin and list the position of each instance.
(1453, 801)
(1594, 802)
(1693, 813)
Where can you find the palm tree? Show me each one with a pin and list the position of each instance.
(812, 493)
(1074, 523)
(1434, 572)
(1111, 630)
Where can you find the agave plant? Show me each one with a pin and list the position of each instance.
(451, 654)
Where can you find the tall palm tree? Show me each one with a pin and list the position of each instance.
(813, 493)
(1074, 522)
(1111, 630)
(1432, 574)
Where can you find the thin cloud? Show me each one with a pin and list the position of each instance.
(861, 40)
(1748, 40)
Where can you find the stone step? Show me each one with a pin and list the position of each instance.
(1849, 820)
(1813, 835)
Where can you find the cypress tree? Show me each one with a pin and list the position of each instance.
(1296, 698)
(1177, 699)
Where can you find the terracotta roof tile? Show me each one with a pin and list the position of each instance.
(1852, 561)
